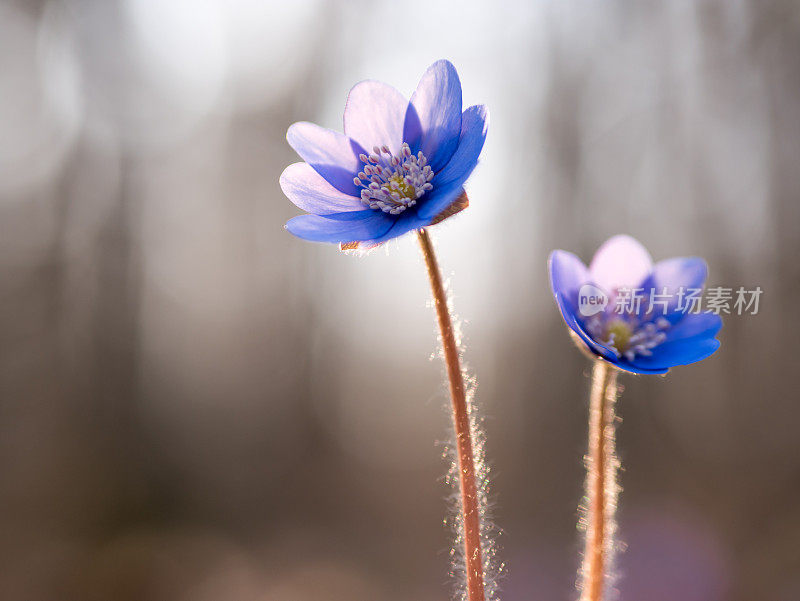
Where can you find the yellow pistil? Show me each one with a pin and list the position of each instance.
(402, 187)
(621, 332)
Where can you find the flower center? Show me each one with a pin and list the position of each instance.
(619, 333)
(393, 183)
(628, 338)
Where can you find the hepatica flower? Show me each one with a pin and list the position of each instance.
(631, 312)
(399, 166)
(635, 316)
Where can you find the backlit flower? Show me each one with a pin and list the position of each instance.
(399, 166)
(633, 313)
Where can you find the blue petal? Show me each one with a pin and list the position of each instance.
(333, 155)
(437, 101)
(679, 352)
(439, 199)
(601, 350)
(687, 272)
(372, 224)
(311, 192)
(626, 365)
(474, 126)
(376, 115)
(448, 182)
(669, 277)
(687, 342)
(568, 313)
(701, 325)
(567, 274)
(407, 221)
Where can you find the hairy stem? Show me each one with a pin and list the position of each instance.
(601, 484)
(461, 422)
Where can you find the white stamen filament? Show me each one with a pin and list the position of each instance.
(393, 183)
(643, 337)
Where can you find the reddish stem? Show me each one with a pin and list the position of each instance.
(461, 422)
(601, 485)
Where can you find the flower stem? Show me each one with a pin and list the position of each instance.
(461, 421)
(601, 484)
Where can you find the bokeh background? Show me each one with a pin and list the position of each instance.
(196, 406)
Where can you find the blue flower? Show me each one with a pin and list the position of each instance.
(645, 336)
(399, 166)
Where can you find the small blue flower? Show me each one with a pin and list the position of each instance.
(647, 337)
(399, 166)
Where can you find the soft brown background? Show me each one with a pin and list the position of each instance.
(197, 406)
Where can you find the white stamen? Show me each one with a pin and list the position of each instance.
(392, 183)
(643, 337)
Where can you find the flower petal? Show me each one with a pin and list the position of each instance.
(375, 115)
(670, 277)
(449, 181)
(568, 313)
(437, 101)
(621, 262)
(687, 272)
(679, 352)
(454, 208)
(601, 350)
(626, 365)
(407, 221)
(372, 224)
(701, 325)
(474, 127)
(333, 155)
(311, 192)
(567, 274)
(439, 199)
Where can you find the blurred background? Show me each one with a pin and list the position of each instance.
(194, 405)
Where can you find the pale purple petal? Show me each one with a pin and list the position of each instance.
(333, 155)
(621, 262)
(311, 192)
(375, 115)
